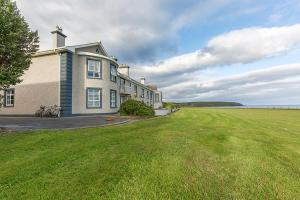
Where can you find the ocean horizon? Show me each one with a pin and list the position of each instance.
(266, 106)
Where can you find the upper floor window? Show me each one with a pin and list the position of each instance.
(113, 98)
(122, 81)
(147, 94)
(94, 69)
(9, 97)
(143, 93)
(93, 98)
(113, 73)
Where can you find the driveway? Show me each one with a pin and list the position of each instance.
(33, 123)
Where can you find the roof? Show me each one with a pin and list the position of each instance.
(71, 49)
(135, 81)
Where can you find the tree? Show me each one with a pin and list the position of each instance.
(17, 43)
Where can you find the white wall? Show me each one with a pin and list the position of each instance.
(81, 82)
(40, 86)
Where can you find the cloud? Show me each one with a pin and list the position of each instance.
(133, 30)
(200, 11)
(239, 46)
(279, 83)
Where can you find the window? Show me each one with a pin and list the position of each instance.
(135, 89)
(151, 98)
(113, 73)
(93, 98)
(122, 99)
(94, 68)
(147, 94)
(157, 98)
(143, 91)
(122, 82)
(113, 98)
(9, 97)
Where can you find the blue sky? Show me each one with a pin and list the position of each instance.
(210, 50)
(232, 16)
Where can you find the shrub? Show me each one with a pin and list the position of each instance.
(136, 108)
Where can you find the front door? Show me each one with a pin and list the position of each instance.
(122, 99)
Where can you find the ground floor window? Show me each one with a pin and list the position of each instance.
(113, 98)
(9, 97)
(94, 97)
(122, 99)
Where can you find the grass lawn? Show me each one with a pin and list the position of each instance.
(192, 154)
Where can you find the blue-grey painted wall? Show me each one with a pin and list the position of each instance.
(66, 83)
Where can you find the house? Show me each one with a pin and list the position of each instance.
(81, 79)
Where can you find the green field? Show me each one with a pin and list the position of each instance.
(196, 153)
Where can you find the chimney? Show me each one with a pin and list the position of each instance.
(58, 38)
(143, 80)
(124, 69)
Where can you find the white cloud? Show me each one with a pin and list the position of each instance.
(266, 85)
(239, 46)
(135, 30)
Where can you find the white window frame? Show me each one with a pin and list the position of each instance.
(113, 74)
(93, 69)
(113, 102)
(9, 99)
(92, 101)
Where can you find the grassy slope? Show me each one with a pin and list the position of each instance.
(195, 153)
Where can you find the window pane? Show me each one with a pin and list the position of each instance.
(93, 97)
(94, 68)
(113, 96)
(9, 97)
(97, 103)
(91, 65)
(113, 70)
(97, 68)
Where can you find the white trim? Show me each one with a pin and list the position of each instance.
(70, 48)
(73, 47)
(135, 82)
(82, 53)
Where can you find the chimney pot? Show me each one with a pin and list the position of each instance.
(143, 80)
(124, 69)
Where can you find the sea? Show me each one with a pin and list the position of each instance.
(295, 107)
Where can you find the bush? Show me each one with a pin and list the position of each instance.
(136, 108)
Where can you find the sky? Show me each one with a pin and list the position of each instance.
(246, 51)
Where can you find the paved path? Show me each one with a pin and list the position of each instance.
(32, 123)
(162, 112)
